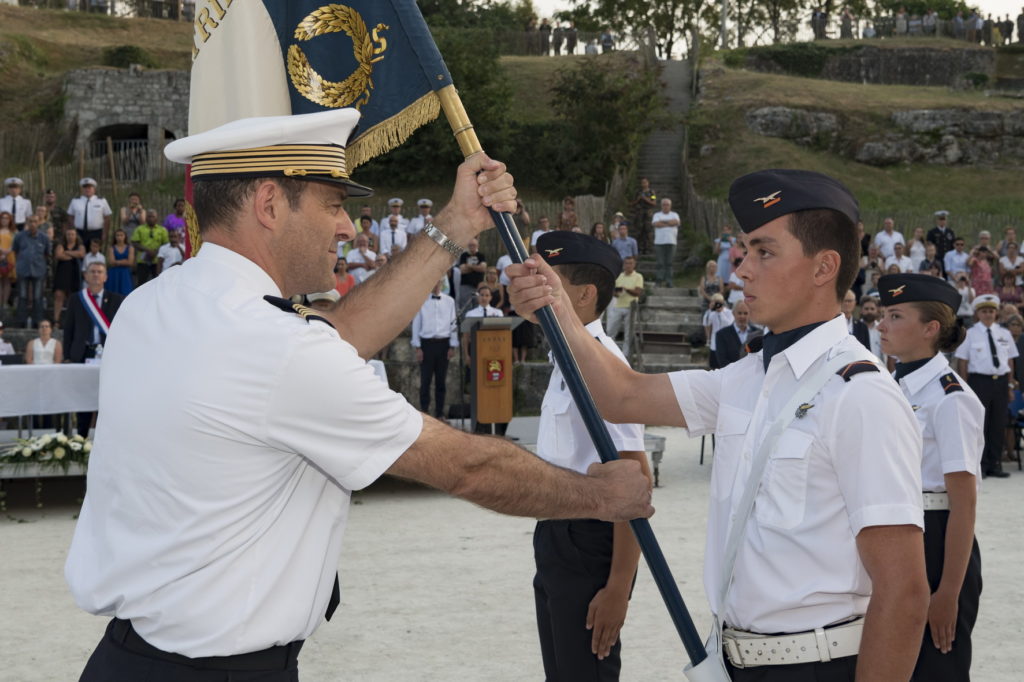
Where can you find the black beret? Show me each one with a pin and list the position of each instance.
(759, 198)
(560, 247)
(910, 287)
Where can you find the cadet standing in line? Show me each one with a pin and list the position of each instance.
(919, 325)
(585, 567)
(827, 581)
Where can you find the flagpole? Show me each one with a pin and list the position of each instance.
(466, 136)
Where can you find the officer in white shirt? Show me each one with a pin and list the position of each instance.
(986, 358)
(89, 214)
(830, 562)
(393, 239)
(585, 567)
(417, 223)
(219, 488)
(435, 337)
(15, 204)
(919, 326)
(394, 209)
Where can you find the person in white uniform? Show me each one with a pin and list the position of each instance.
(418, 222)
(14, 203)
(919, 325)
(218, 488)
(816, 568)
(585, 567)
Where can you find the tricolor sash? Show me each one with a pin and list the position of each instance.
(95, 312)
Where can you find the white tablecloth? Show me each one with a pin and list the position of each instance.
(48, 389)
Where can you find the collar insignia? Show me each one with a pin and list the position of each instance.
(771, 199)
(802, 410)
(554, 252)
(915, 408)
(898, 291)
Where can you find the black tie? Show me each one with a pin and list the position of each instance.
(992, 347)
(435, 297)
(335, 598)
(85, 218)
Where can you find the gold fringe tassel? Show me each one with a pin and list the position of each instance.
(192, 225)
(392, 132)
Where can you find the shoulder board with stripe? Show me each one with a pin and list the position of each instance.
(754, 345)
(856, 368)
(307, 313)
(950, 383)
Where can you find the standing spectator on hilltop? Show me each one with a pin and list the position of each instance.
(418, 222)
(900, 22)
(643, 203)
(361, 260)
(846, 23)
(629, 287)
(7, 259)
(624, 244)
(543, 226)
(15, 204)
(941, 235)
(929, 22)
(723, 247)
(175, 221)
(979, 28)
(1020, 26)
(67, 271)
(666, 230)
(607, 40)
(987, 34)
(568, 219)
(147, 240)
(710, 284)
(888, 237)
(545, 37)
(590, 49)
(120, 257)
(557, 38)
(31, 248)
(58, 215)
(393, 239)
(170, 254)
(971, 32)
(571, 38)
(395, 205)
(132, 215)
(959, 28)
(89, 213)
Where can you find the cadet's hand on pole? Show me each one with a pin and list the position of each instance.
(942, 610)
(533, 285)
(605, 617)
(480, 183)
(627, 493)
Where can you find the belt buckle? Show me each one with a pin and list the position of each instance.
(732, 650)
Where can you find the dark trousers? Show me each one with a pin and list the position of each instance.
(838, 670)
(573, 561)
(434, 367)
(122, 656)
(932, 664)
(994, 396)
(144, 272)
(30, 301)
(88, 235)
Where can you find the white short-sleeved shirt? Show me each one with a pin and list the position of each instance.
(416, 224)
(503, 263)
(537, 235)
(978, 354)
(904, 263)
(952, 422)
(389, 239)
(717, 320)
(562, 437)
(736, 285)
(385, 223)
(171, 255)
(1009, 266)
(219, 486)
(354, 256)
(480, 311)
(885, 242)
(665, 235)
(97, 208)
(18, 206)
(852, 461)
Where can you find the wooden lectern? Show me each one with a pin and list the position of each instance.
(490, 361)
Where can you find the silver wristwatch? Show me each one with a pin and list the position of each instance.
(442, 240)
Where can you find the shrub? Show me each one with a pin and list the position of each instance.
(123, 56)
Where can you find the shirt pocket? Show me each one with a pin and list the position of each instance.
(782, 500)
(730, 434)
(560, 439)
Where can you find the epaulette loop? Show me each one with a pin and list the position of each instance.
(306, 312)
(856, 368)
(950, 383)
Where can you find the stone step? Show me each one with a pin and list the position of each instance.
(672, 327)
(673, 302)
(656, 358)
(686, 318)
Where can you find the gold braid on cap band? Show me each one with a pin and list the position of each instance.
(192, 225)
(286, 159)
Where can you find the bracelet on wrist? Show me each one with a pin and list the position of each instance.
(442, 240)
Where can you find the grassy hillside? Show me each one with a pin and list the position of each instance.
(727, 94)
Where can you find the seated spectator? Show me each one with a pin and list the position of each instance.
(1009, 237)
(916, 247)
(366, 212)
(892, 269)
(869, 31)
(120, 260)
(93, 255)
(543, 225)
(854, 327)
(147, 240)
(955, 261)
(710, 284)
(7, 258)
(170, 254)
(731, 341)
(930, 259)
(5, 346)
(716, 317)
(499, 297)
(344, 281)
(904, 262)
(379, 262)
(980, 263)
(323, 300)
(361, 260)
(1013, 262)
(872, 276)
(1006, 311)
(597, 230)
(175, 221)
(371, 229)
(44, 349)
(873, 260)
(934, 270)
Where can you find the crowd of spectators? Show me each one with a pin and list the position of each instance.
(972, 26)
(555, 38)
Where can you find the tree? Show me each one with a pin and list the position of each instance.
(672, 20)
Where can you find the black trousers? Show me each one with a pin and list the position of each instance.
(434, 367)
(994, 396)
(122, 657)
(838, 670)
(932, 664)
(573, 561)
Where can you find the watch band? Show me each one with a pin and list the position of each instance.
(442, 240)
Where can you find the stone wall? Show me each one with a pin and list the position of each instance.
(936, 136)
(100, 97)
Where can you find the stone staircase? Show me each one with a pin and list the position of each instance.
(665, 322)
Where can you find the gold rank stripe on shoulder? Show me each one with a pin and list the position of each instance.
(307, 313)
(855, 368)
(950, 383)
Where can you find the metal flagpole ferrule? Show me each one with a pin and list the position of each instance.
(456, 114)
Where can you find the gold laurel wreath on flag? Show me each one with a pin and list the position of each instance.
(354, 90)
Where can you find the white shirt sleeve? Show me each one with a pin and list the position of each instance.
(959, 423)
(697, 392)
(417, 325)
(963, 351)
(353, 435)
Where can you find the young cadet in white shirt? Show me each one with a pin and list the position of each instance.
(919, 325)
(986, 358)
(435, 337)
(835, 533)
(14, 203)
(215, 546)
(585, 567)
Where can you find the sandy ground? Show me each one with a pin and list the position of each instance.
(436, 589)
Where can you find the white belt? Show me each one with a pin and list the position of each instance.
(934, 501)
(748, 649)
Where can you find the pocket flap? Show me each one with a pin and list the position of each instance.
(792, 444)
(732, 421)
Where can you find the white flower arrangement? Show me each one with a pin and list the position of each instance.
(49, 450)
